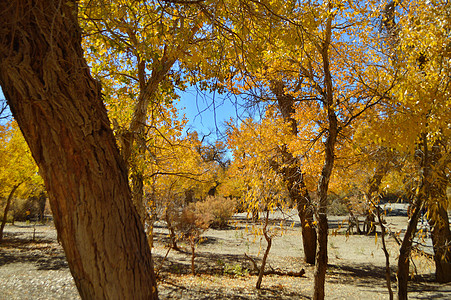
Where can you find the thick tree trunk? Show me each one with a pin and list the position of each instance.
(59, 109)
(441, 241)
(294, 179)
(298, 193)
(5, 211)
(438, 217)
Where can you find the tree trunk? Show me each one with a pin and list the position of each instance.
(294, 178)
(265, 256)
(441, 241)
(5, 212)
(41, 204)
(420, 198)
(373, 191)
(405, 249)
(438, 217)
(299, 194)
(387, 255)
(59, 109)
(326, 172)
(192, 242)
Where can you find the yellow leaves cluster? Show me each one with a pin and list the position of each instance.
(16, 163)
(256, 150)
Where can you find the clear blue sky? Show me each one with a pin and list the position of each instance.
(206, 113)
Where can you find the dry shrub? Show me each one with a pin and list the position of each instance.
(220, 208)
(192, 221)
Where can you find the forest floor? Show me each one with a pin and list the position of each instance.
(37, 269)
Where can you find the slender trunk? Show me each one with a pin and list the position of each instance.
(299, 194)
(326, 172)
(136, 132)
(372, 194)
(405, 249)
(193, 255)
(42, 199)
(59, 109)
(5, 212)
(387, 255)
(265, 256)
(420, 198)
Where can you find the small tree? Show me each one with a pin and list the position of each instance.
(191, 224)
(17, 167)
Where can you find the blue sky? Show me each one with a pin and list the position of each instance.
(206, 113)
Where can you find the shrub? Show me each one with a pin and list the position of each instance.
(235, 270)
(220, 209)
(191, 224)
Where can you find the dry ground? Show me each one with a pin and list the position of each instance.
(38, 270)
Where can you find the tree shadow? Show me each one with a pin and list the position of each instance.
(374, 277)
(172, 290)
(45, 254)
(368, 275)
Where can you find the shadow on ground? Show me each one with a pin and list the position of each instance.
(43, 253)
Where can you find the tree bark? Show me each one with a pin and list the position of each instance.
(265, 255)
(294, 178)
(387, 255)
(441, 241)
(59, 109)
(438, 216)
(373, 191)
(326, 172)
(5, 211)
(420, 198)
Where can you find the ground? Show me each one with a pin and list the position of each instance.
(32, 264)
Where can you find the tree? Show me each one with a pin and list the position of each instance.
(17, 167)
(59, 108)
(133, 48)
(303, 50)
(419, 49)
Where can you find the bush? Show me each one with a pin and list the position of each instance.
(337, 207)
(192, 221)
(219, 208)
(235, 270)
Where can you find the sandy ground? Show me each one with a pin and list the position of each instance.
(38, 270)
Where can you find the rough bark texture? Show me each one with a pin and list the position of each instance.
(294, 179)
(59, 109)
(438, 216)
(441, 241)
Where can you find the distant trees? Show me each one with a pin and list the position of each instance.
(18, 171)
